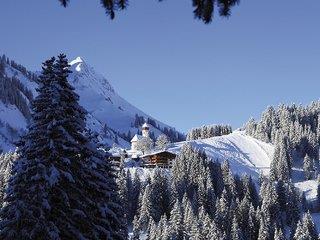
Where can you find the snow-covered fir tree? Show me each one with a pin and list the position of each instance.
(61, 186)
(278, 234)
(6, 161)
(134, 197)
(308, 167)
(280, 168)
(176, 222)
(236, 232)
(309, 227)
(162, 142)
(145, 145)
(145, 211)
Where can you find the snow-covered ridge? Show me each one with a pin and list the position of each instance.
(82, 71)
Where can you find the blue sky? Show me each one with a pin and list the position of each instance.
(173, 67)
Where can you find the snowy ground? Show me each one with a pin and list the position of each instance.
(309, 188)
(10, 117)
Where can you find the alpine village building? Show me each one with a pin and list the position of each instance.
(155, 158)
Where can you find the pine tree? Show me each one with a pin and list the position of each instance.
(308, 167)
(213, 231)
(136, 228)
(162, 142)
(223, 212)
(134, 197)
(124, 191)
(250, 190)
(164, 228)
(270, 204)
(278, 234)
(152, 231)
(281, 162)
(309, 227)
(236, 233)
(188, 218)
(6, 162)
(146, 209)
(300, 234)
(196, 231)
(160, 194)
(229, 181)
(292, 205)
(265, 232)
(145, 145)
(251, 232)
(62, 187)
(251, 127)
(176, 222)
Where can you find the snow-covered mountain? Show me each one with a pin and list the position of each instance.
(112, 117)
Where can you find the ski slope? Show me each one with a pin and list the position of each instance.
(244, 153)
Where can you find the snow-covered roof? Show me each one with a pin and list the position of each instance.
(116, 152)
(145, 125)
(158, 151)
(134, 156)
(136, 138)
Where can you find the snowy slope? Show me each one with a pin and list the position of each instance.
(103, 103)
(109, 115)
(244, 153)
(12, 124)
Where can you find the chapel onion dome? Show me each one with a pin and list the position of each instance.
(145, 126)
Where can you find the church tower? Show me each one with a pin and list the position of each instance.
(145, 130)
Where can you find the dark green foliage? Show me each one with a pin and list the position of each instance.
(203, 9)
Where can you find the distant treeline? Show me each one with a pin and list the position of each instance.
(12, 91)
(208, 131)
(4, 60)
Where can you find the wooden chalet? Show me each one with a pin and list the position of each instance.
(115, 156)
(161, 159)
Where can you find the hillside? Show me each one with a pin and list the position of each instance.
(110, 116)
(244, 153)
(249, 155)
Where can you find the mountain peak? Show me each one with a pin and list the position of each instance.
(77, 63)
